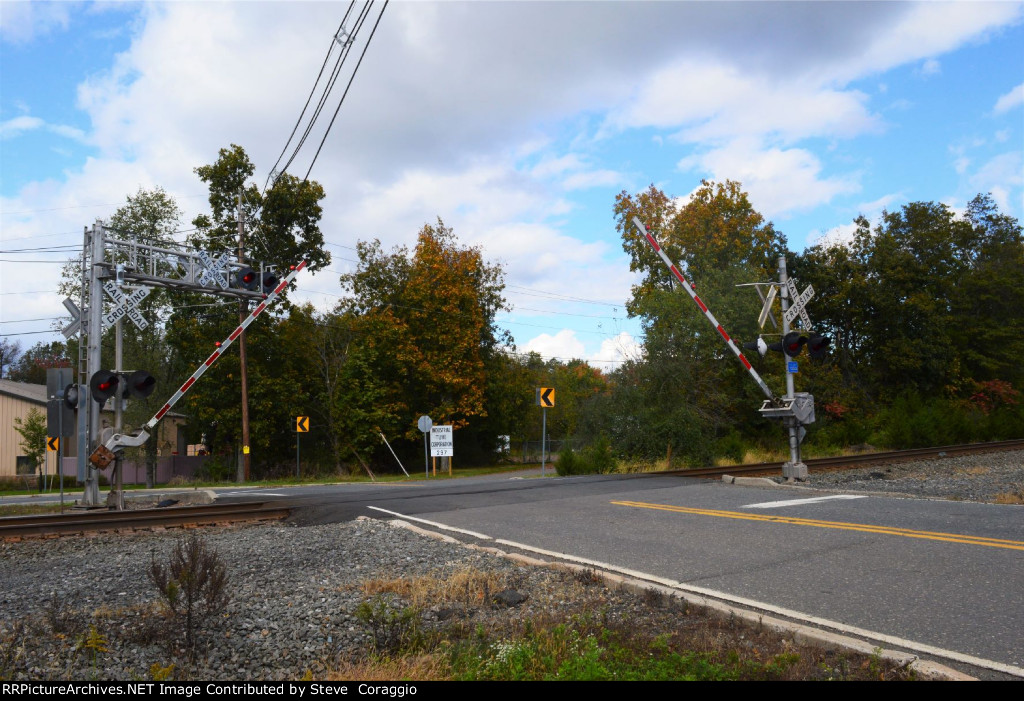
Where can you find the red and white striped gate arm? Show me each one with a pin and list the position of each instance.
(224, 346)
(703, 307)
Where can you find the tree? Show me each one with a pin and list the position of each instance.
(426, 333)
(282, 223)
(9, 351)
(31, 367)
(282, 226)
(33, 436)
(718, 240)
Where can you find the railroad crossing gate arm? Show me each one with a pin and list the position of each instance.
(104, 454)
(707, 313)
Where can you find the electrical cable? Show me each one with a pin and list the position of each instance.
(298, 121)
(354, 71)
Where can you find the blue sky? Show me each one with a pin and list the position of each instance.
(516, 122)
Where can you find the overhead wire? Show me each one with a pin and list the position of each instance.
(312, 91)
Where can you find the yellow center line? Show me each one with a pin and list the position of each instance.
(838, 525)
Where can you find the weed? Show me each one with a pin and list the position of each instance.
(1014, 496)
(393, 627)
(159, 673)
(193, 585)
(62, 618)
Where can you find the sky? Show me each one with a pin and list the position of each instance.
(516, 123)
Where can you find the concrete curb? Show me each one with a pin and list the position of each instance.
(749, 481)
(802, 634)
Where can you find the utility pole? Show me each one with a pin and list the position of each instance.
(243, 312)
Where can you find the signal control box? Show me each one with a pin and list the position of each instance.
(799, 408)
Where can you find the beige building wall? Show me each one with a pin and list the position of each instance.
(17, 399)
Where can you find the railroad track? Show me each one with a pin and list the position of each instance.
(80, 522)
(860, 460)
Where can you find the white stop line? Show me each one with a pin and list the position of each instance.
(798, 502)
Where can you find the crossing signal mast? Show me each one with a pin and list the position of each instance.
(106, 453)
(794, 409)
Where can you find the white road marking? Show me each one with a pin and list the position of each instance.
(798, 502)
(255, 492)
(435, 524)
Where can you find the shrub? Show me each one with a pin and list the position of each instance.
(193, 584)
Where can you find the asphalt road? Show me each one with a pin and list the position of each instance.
(932, 574)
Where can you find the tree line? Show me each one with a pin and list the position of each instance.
(925, 309)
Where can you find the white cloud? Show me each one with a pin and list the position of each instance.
(21, 22)
(1013, 98)
(563, 344)
(841, 235)
(999, 176)
(930, 67)
(17, 126)
(453, 98)
(615, 350)
(779, 181)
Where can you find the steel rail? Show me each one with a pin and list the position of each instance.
(850, 461)
(48, 525)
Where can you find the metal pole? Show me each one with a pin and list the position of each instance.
(794, 469)
(243, 311)
(81, 415)
(543, 437)
(298, 472)
(426, 457)
(91, 492)
(118, 415)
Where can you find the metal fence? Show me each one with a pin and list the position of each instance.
(530, 451)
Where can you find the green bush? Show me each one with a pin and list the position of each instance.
(568, 463)
(596, 459)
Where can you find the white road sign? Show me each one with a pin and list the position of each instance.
(441, 442)
(125, 306)
(214, 269)
(797, 304)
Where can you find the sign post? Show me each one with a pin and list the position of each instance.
(301, 426)
(545, 399)
(424, 424)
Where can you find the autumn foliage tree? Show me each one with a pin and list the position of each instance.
(425, 331)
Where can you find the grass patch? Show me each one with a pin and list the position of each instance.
(1014, 496)
(572, 630)
(31, 509)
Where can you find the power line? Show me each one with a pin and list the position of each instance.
(312, 91)
(354, 71)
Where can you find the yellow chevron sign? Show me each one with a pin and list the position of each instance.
(546, 397)
(302, 424)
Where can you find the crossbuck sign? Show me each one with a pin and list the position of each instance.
(125, 306)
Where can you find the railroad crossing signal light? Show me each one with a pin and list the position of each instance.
(791, 344)
(270, 282)
(103, 385)
(140, 384)
(817, 345)
(247, 278)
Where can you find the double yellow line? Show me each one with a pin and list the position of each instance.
(838, 525)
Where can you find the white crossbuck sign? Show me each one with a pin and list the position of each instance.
(125, 306)
(797, 304)
(214, 269)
